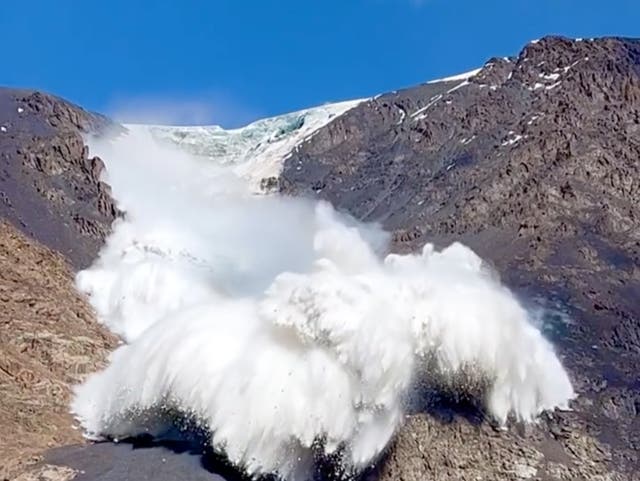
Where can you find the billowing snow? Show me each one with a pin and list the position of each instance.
(280, 326)
(254, 152)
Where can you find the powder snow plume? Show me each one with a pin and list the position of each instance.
(284, 327)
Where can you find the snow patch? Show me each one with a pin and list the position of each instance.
(513, 140)
(419, 114)
(460, 85)
(453, 78)
(533, 119)
(550, 76)
(403, 115)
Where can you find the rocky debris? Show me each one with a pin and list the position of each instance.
(467, 452)
(49, 340)
(50, 186)
(535, 163)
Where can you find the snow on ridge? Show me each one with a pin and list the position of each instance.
(461, 76)
(256, 151)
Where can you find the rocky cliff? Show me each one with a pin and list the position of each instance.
(50, 186)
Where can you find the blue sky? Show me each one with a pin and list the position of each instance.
(230, 61)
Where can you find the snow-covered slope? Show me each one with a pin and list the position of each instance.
(256, 151)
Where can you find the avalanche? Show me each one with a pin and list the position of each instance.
(285, 328)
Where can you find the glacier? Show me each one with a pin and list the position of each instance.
(254, 152)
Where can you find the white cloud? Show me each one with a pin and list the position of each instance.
(172, 109)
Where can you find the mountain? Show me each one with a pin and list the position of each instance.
(533, 161)
(50, 187)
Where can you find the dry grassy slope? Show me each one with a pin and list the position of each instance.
(48, 341)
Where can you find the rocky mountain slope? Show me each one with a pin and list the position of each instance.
(49, 341)
(55, 213)
(533, 161)
(50, 187)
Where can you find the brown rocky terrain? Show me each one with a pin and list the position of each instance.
(55, 213)
(49, 340)
(535, 163)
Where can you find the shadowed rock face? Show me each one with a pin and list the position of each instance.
(50, 187)
(534, 163)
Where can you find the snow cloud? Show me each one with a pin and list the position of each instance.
(176, 109)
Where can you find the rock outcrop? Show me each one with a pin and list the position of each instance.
(50, 186)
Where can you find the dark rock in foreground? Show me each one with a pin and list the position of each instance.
(50, 187)
(140, 462)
